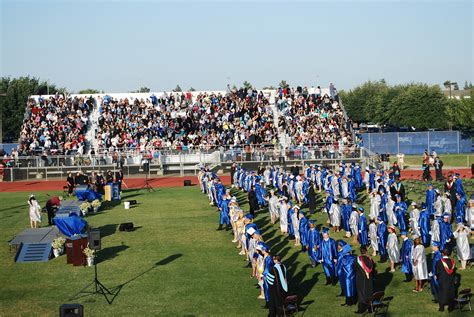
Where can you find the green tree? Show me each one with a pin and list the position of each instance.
(13, 103)
(283, 84)
(143, 89)
(177, 89)
(460, 112)
(269, 88)
(247, 85)
(192, 89)
(89, 91)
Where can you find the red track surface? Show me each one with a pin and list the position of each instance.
(173, 181)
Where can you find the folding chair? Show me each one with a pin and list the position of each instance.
(291, 305)
(377, 302)
(464, 297)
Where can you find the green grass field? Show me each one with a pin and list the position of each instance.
(449, 160)
(206, 276)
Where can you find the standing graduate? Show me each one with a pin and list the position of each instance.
(277, 288)
(460, 208)
(405, 256)
(346, 210)
(424, 227)
(224, 212)
(283, 208)
(345, 269)
(392, 248)
(328, 257)
(436, 257)
(362, 227)
(420, 268)
(445, 233)
(365, 272)
(382, 236)
(268, 264)
(253, 201)
(354, 223)
(373, 237)
(445, 271)
(430, 199)
(303, 231)
(273, 207)
(462, 244)
(295, 221)
(335, 215)
(400, 208)
(314, 241)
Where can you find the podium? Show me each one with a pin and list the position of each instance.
(74, 250)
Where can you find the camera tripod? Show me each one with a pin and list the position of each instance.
(97, 288)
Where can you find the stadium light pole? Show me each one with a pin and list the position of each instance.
(1, 120)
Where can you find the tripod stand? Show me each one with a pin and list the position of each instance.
(97, 288)
(146, 183)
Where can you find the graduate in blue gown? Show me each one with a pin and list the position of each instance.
(400, 208)
(363, 235)
(249, 224)
(371, 180)
(460, 208)
(458, 185)
(224, 212)
(430, 199)
(434, 281)
(445, 233)
(314, 241)
(382, 236)
(291, 230)
(328, 256)
(425, 227)
(358, 177)
(346, 210)
(345, 269)
(303, 229)
(268, 264)
(405, 255)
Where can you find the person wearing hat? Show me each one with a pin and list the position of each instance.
(303, 231)
(365, 273)
(366, 180)
(354, 223)
(458, 185)
(430, 199)
(436, 257)
(382, 236)
(346, 210)
(373, 237)
(253, 201)
(234, 216)
(400, 209)
(470, 216)
(277, 288)
(418, 260)
(295, 222)
(311, 197)
(414, 217)
(283, 208)
(462, 245)
(446, 202)
(362, 234)
(392, 248)
(424, 227)
(445, 275)
(445, 233)
(314, 241)
(438, 205)
(405, 256)
(34, 211)
(335, 215)
(328, 256)
(273, 206)
(224, 212)
(460, 208)
(345, 272)
(267, 270)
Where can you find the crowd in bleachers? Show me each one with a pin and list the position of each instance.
(55, 125)
(179, 122)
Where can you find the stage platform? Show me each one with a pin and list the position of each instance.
(38, 235)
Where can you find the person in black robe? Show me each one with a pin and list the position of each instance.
(295, 170)
(284, 190)
(397, 188)
(450, 188)
(426, 172)
(438, 166)
(233, 169)
(99, 183)
(365, 272)
(253, 202)
(109, 177)
(70, 183)
(311, 198)
(445, 273)
(119, 179)
(277, 288)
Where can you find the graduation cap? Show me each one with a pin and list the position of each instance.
(361, 209)
(311, 222)
(379, 218)
(423, 205)
(403, 233)
(249, 216)
(341, 243)
(325, 230)
(446, 215)
(264, 247)
(251, 231)
(414, 204)
(296, 206)
(435, 244)
(302, 213)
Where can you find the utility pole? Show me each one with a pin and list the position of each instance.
(1, 121)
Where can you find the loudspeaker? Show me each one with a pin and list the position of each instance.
(132, 202)
(126, 226)
(187, 182)
(71, 310)
(94, 239)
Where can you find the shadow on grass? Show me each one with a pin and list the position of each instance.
(110, 253)
(107, 230)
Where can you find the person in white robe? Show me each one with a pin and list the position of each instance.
(345, 187)
(391, 217)
(435, 232)
(299, 189)
(34, 211)
(367, 179)
(447, 203)
(295, 220)
(373, 237)
(414, 216)
(266, 176)
(420, 267)
(375, 200)
(273, 207)
(462, 244)
(470, 217)
(283, 207)
(438, 205)
(335, 214)
(353, 223)
(335, 185)
(392, 248)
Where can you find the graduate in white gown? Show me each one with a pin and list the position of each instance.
(295, 220)
(470, 217)
(391, 217)
(374, 204)
(283, 207)
(373, 237)
(462, 244)
(35, 211)
(418, 260)
(335, 214)
(353, 223)
(273, 206)
(414, 216)
(392, 248)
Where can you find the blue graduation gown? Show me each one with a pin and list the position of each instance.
(445, 233)
(328, 254)
(430, 200)
(267, 269)
(303, 229)
(352, 190)
(247, 236)
(328, 204)
(460, 210)
(260, 193)
(346, 271)
(400, 214)
(406, 256)
(363, 235)
(346, 211)
(224, 212)
(371, 181)
(434, 282)
(358, 178)
(459, 188)
(383, 207)
(424, 223)
(382, 235)
(314, 241)
(291, 230)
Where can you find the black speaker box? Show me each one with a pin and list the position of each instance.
(187, 182)
(94, 239)
(126, 226)
(71, 310)
(132, 202)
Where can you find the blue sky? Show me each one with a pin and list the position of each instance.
(119, 46)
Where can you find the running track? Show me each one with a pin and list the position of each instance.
(164, 182)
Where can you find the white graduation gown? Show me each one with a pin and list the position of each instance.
(373, 236)
(462, 245)
(420, 269)
(335, 215)
(392, 248)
